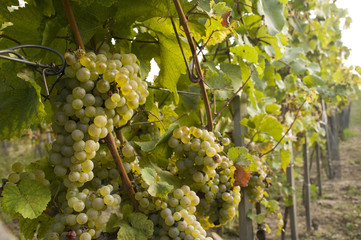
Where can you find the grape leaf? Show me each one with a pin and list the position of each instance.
(241, 177)
(139, 227)
(246, 51)
(234, 73)
(126, 232)
(113, 222)
(272, 127)
(141, 222)
(170, 61)
(145, 51)
(28, 227)
(285, 159)
(26, 25)
(29, 198)
(274, 17)
(20, 101)
(157, 188)
(150, 145)
(313, 80)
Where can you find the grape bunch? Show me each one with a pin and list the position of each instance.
(176, 220)
(199, 154)
(100, 91)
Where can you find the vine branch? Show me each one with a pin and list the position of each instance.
(127, 184)
(231, 99)
(184, 23)
(74, 27)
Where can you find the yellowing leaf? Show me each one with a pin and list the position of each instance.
(246, 52)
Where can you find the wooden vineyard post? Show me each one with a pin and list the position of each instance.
(333, 146)
(245, 223)
(5, 147)
(292, 210)
(306, 185)
(319, 175)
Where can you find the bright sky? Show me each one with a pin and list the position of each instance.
(352, 37)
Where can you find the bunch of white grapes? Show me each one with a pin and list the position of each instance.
(99, 92)
(199, 155)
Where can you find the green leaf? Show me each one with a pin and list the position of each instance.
(126, 232)
(26, 25)
(139, 227)
(29, 198)
(150, 145)
(170, 61)
(127, 209)
(234, 73)
(246, 52)
(91, 19)
(260, 218)
(312, 81)
(157, 188)
(291, 54)
(128, 12)
(145, 51)
(298, 66)
(220, 8)
(285, 159)
(272, 108)
(113, 222)
(273, 206)
(272, 127)
(215, 78)
(234, 152)
(29, 227)
(142, 223)
(274, 18)
(147, 146)
(20, 101)
(265, 124)
(240, 156)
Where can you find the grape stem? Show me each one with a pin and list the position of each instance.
(74, 27)
(184, 23)
(127, 184)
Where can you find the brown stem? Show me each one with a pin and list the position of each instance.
(193, 8)
(205, 44)
(73, 25)
(294, 120)
(233, 96)
(184, 23)
(127, 184)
